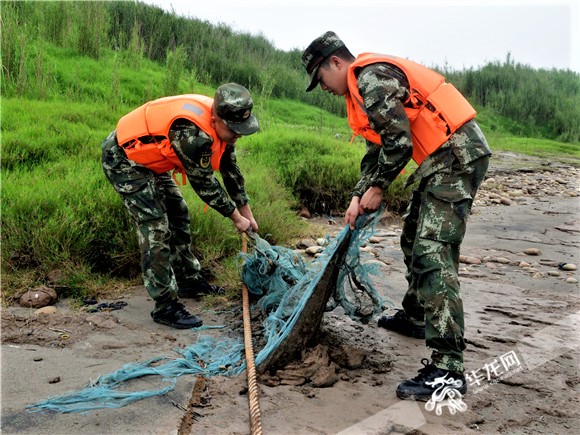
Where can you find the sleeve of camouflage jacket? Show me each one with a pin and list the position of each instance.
(193, 145)
(232, 177)
(384, 88)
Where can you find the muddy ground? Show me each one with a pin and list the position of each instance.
(522, 321)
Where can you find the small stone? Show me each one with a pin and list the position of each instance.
(524, 264)
(568, 266)
(305, 243)
(571, 280)
(46, 310)
(505, 201)
(469, 260)
(532, 251)
(321, 241)
(325, 377)
(304, 213)
(553, 273)
(313, 250)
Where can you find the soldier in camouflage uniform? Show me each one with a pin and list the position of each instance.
(445, 182)
(161, 217)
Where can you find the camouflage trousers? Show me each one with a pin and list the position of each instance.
(161, 219)
(434, 227)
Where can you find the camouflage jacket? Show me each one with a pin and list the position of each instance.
(191, 145)
(384, 88)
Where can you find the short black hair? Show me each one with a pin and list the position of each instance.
(343, 53)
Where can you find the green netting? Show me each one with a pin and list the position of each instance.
(284, 283)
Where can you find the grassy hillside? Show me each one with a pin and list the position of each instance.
(63, 90)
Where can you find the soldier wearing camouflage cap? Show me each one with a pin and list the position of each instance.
(404, 110)
(194, 135)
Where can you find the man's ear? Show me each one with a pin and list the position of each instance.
(212, 121)
(337, 62)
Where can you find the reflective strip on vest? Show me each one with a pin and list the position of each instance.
(154, 119)
(437, 109)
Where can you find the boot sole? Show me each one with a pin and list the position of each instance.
(406, 332)
(177, 326)
(418, 398)
(422, 398)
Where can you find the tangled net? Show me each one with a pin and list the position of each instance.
(284, 283)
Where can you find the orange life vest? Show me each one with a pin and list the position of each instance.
(153, 119)
(436, 109)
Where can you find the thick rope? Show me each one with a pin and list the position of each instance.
(253, 400)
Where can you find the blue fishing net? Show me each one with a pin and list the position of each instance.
(284, 282)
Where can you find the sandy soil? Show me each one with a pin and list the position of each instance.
(520, 307)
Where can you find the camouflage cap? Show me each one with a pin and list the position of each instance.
(233, 103)
(317, 52)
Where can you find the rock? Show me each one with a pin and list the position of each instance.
(38, 297)
(304, 213)
(322, 241)
(375, 239)
(553, 273)
(523, 264)
(532, 251)
(567, 266)
(469, 260)
(46, 310)
(313, 250)
(505, 201)
(293, 381)
(571, 280)
(325, 377)
(305, 243)
(348, 356)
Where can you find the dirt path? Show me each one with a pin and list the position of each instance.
(522, 323)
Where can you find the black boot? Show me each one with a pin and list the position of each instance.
(176, 316)
(402, 324)
(417, 388)
(198, 288)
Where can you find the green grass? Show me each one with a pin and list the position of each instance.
(63, 223)
(499, 132)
